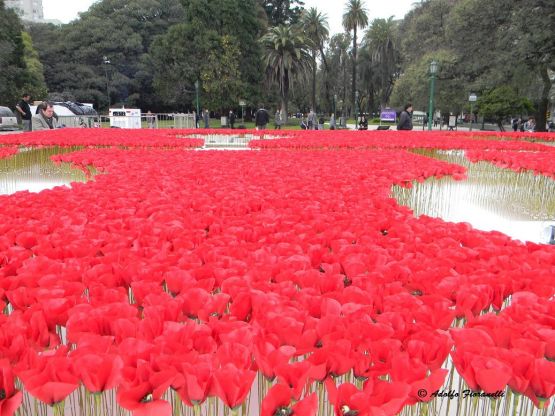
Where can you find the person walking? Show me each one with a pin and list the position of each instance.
(261, 118)
(24, 110)
(405, 119)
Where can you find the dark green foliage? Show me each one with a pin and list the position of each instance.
(121, 31)
(191, 51)
(13, 74)
(501, 103)
(281, 12)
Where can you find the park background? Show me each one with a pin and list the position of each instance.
(157, 55)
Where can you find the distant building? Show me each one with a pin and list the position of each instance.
(30, 10)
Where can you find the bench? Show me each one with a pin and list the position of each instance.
(383, 128)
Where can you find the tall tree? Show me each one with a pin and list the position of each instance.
(355, 16)
(519, 34)
(221, 76)
(381, 43)
(282, 12)
(286, 58)
(121, 31)
(338, 64)
(501, 103)
(34, 82)
(179, 57)
(315, 25)
(12, 64)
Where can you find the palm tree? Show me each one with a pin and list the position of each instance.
(380, 40)
(286, 58)
(355, 16)
(315, 26)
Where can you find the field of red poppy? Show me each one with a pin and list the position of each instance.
(285, 280)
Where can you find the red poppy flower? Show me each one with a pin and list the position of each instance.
(142, 388)
(195, 381)
(347, 399)
(483, 373)
(50, 377)
(296, 375)
(10, 398)
(232, 385)
(278, 398)
(99, 372)
(308, 406)
(268, 357)
(542, 383)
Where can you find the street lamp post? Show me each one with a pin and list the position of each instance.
(433, 72)
(472, 98)
(107, 62)
(356, 109)
(334, 101)
(198, 108)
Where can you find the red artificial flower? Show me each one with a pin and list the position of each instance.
(142, 388)
(49, 376)
(542, 383)
(296, 375)
(308, 406)
(99, 372)
(276, 401)
(268, 357)
(232, 385)
(197, 381)
(10, 398)
(347, 400)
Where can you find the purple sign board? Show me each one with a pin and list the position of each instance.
(388, 115)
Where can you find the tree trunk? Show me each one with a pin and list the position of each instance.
(544, 100)
(284, 99)
(326, 80)
(354, 80)
(314, 81)
(344, 89)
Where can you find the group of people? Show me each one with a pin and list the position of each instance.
(520, 125)
(43, 119)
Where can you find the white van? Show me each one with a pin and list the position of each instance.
(8, 120)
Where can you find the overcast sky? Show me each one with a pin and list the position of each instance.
(67, 10)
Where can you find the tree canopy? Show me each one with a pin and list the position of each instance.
(153, 53)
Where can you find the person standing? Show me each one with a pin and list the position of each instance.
(530, 125)
(24, 110)
(231, 119)
(45, 119)
(332, 121)
(261, 118)
(206, 118)
(514, 123)
(311, 120)
(405, 119)
(278, 119)
(150, 119)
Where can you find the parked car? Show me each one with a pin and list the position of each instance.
(8, 121)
